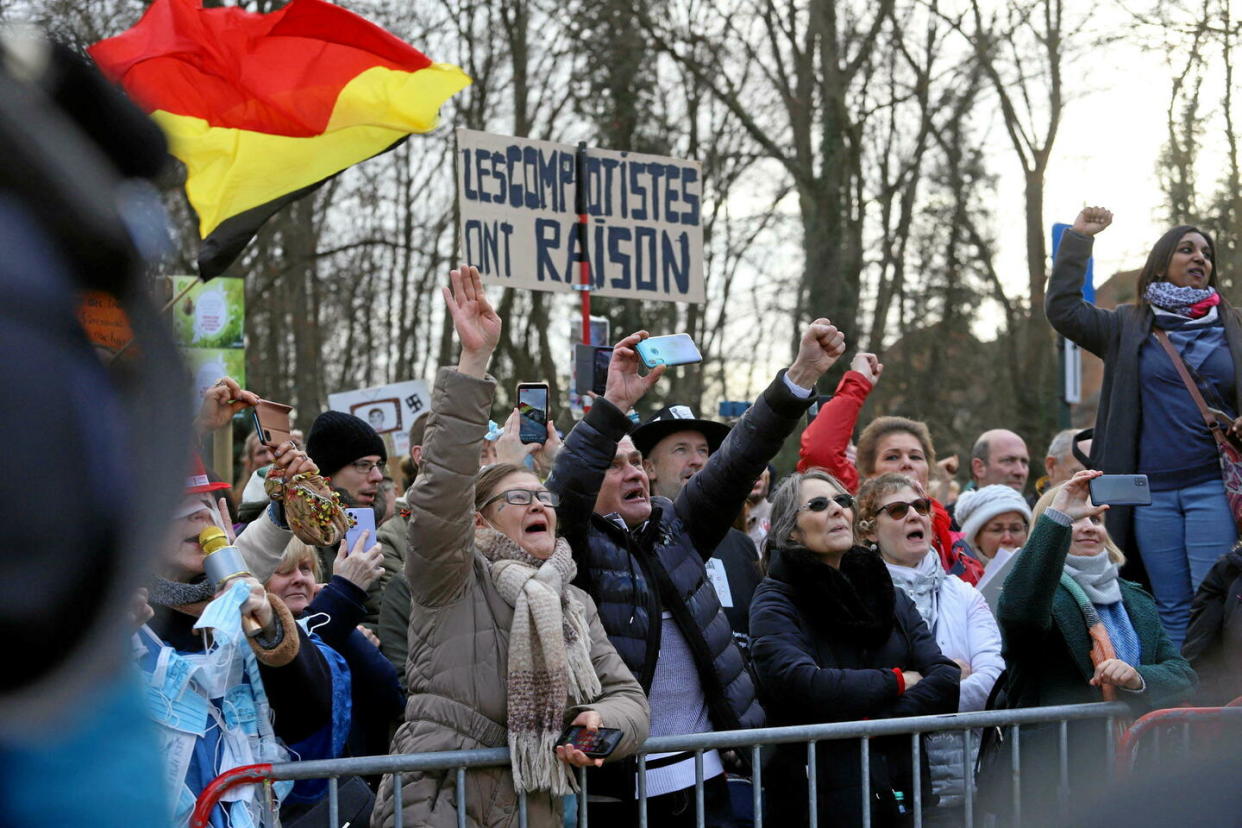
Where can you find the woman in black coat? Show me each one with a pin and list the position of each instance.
(833, 641)
(1147, 420)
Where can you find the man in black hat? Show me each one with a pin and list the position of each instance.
(675, 446)
(350, 454)
(643, 559)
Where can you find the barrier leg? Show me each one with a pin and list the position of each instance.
(865, 754)
(1015, 766)
(756, 784)
(397, 804)
(812, 787)
(916, 751)
(461, 797)
(968, 777)
(642, 791)
(699, 808)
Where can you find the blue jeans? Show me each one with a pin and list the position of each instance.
(1180, 536)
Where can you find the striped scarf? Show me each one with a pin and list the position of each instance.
(1101, 645)
(550, 665)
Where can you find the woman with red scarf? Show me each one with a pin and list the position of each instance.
(1148, 422)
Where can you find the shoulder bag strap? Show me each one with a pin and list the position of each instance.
(1191, 386)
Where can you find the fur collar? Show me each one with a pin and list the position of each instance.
(858, 598)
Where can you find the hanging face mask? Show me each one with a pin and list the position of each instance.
(219, 667)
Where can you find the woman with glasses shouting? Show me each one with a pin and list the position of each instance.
(503, 652)
(832, 641)
(893, 516)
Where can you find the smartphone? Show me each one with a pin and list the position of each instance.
(1120, 490)
(676, 349)
(364, 521)
(733, 408)
(591, 368)
(271, 422)
(533, 411)
(597, 744)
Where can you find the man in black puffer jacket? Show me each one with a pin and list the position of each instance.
(643, 561)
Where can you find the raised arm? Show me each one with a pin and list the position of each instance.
(1072, 316)
(709, 500)
(825, 440)
(1025, 607)
(440, 560)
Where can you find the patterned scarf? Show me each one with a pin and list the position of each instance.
(922, 584)
(550, 665)
(1184, 301)
(1101, 644)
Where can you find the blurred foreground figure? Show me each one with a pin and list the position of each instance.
(94, 440)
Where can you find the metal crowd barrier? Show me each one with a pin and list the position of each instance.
(1167, 733)
(460, 760)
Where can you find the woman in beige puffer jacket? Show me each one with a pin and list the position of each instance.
(461, 622)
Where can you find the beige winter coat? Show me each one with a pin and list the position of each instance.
(459, 636)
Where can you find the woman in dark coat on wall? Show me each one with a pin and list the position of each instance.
(1147, 421)
(833, 641)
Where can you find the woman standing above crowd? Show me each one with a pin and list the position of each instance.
(894, 518)
(833, 641)
(1148, 422)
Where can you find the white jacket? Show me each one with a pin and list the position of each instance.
(965, 630)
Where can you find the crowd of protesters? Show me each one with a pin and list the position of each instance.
(662, 579)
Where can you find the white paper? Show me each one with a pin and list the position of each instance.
(716, 572)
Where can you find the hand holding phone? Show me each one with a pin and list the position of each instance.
(596, 744)
(533, 411)
(271, 422)
(675, 349)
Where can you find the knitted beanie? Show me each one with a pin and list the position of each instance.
(975, 508)
(337, 438)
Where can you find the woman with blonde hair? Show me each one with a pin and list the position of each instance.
(1075, 632)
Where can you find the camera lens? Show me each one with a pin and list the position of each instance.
(655, 350)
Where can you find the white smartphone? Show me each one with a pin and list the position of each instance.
(364, 521)
(675, 349)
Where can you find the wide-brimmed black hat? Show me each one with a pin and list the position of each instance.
(672, 419)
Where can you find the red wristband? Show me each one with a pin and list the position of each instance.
(901, 680)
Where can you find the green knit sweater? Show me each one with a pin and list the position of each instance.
(1046, 646)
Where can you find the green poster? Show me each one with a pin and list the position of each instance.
(210, 364)
(211, 315)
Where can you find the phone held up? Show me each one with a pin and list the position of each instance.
(675, 349)
(1120, 490)
(533, 412)
(271, 422)
(597, 744)
(364, 521)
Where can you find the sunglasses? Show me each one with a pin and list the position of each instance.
(898, 510)
(523, 497)
(819, 504)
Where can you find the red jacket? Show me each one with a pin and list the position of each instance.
(823, 446)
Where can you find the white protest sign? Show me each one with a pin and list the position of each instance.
(518, 219)
(388, 408)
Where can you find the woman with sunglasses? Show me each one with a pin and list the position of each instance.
(894, 517)
(832, 641)
(503, 652)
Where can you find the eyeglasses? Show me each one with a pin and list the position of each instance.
(365, 466)
(819, 504)
(898, 510)
(523, 497)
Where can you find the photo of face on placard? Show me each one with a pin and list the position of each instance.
(382, 415)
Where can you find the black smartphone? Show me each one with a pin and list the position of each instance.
(597, 744)
(533, 411)
(591, 368)
(1120, 490)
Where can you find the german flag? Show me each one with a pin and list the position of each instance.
(263, 108)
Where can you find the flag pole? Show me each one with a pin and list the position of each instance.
(580, 205)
